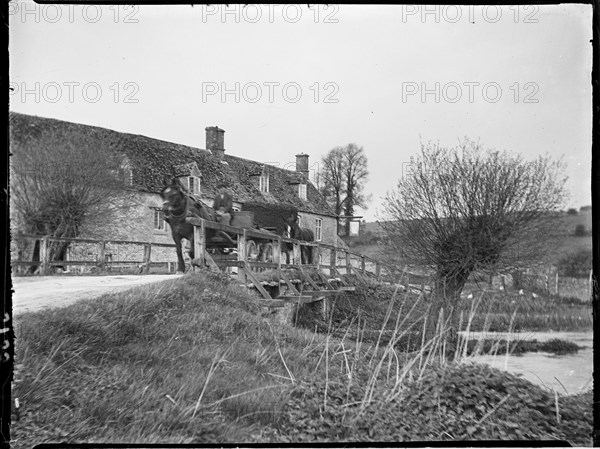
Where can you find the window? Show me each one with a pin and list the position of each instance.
(263, 183)
(125, 175)
(192, 184)
(159, 220)
(302, 191)
(318, 230)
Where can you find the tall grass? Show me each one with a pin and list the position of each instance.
(543, 313)
(194, 360)
(185, 360)
(388, 380)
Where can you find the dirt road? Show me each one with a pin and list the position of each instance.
(39, 292)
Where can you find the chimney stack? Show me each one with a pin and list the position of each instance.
(215, 141)
(302, 164)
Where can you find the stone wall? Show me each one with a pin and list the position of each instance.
(575, 288)
(329, 230)
(133, 220)
(137, 223)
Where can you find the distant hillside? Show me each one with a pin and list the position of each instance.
(371, 241)
(566, 222)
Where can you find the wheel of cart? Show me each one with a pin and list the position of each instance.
(266, 252)
(252, 251)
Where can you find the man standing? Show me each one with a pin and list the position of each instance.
(223, 204)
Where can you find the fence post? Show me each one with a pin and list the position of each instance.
(378, 271)
(277, 255)
(297, 255)
(44, 256)
(556, 282)
(199, 245)
(147, 257)
(590, 285)
(102, 251)
(363, 265)
(317, 256)
(241, 250)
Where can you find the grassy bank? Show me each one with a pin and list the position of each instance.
(494, 311)
(544, 313)
(193, 360)
(181, 361)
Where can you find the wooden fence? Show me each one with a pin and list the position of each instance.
(328, 259)
(144, 257)
(101, 255)
(552, 283)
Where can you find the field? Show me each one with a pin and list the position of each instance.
(369, 243)
(194, 359)
(567, 244)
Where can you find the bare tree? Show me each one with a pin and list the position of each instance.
(470, 209)
(60, 183)
(344, 175)
(332, 176)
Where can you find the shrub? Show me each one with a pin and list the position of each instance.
(580, 231)
(575, 264)
(449, 402)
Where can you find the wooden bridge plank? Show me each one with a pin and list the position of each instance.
(339, 276)
(301, 299)
(211, 263)
(314, 293)
(324, 280)
(307, 276)
(282, 301)
(229, 263)
(289, 284)
(358, 274)
(257, 284)
(262, 265)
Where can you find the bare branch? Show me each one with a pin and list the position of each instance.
(469, 208)
(59, 184)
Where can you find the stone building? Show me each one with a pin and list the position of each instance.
(147, 164)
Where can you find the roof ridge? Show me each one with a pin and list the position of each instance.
(11, 113)
(154, 160)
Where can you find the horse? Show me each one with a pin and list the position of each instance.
(177, 205)
(293, 230)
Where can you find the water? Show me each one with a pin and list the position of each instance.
(567, 374)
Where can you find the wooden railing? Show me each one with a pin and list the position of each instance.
(105, 255)
(334, 260)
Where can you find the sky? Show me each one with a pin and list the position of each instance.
(288, 79)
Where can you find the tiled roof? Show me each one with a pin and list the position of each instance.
(154, 162)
